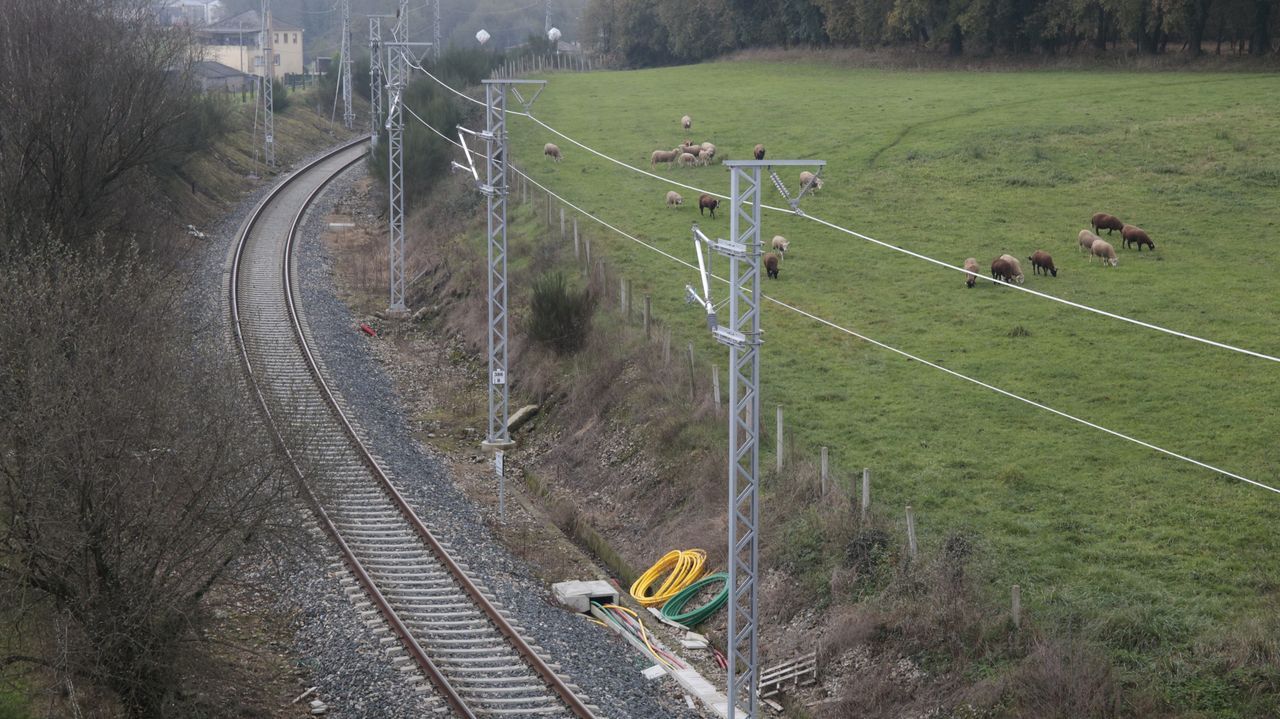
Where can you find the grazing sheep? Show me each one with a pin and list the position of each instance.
(687, 159)
(663, 156)
(1017, 268)
(758, 152)
(771, 263)
(1040, 260)
(674, 199)
(971, 266)
(1103, 249)
(687, 122)
(808, 178)
(1002, 270)
(708, 202)
(1108, 222)
(1087, 239)
(709, 148)
(1137, 235)
(781, 244)
(704, 158)
(552, 151)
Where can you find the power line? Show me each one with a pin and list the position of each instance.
(877, 343)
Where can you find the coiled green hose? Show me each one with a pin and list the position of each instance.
(692, 618)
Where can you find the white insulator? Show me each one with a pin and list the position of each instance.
(554, 34)
(482, 37)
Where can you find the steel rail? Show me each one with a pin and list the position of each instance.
(474, 593)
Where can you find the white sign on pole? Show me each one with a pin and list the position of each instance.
(499, 377)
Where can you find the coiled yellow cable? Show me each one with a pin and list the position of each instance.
(681, 568)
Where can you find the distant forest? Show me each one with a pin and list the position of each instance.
(660, 32)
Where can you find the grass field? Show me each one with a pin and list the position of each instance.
(1150, 550)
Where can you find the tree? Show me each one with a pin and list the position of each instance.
(93, 94)
(132, 474)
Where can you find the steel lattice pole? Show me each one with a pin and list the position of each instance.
(375, 78)
(396, 67)
(268, 76)
(495, 95)
(348, 114)
(744, 440)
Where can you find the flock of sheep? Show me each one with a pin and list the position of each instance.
(1006, 268)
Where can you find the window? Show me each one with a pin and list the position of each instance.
(277, 58)
(257, 61)
(275, 38)
(295, 38)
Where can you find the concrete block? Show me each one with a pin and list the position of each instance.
(578, 595)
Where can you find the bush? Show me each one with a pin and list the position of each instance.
(279, 96)
(560, 316)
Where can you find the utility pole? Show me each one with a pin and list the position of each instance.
(268, 76)
(397, 80)
(743, 337)
(375, 77)
(495, 189)
(436, 37)
(348, 115)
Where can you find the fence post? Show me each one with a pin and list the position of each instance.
(548, 209)
(693, 385)
(778, 439)
(911, 533)
(666, 346)
(577, 253)
(629, 298)
(563, 237)
(866, 493)
(647, 310)
(1016, 597)
(622, 296)
(823, 473)
(587, 267)
(715, 387)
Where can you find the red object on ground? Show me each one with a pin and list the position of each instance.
(365, 328)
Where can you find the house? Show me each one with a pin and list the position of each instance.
(214, 76)
(235, 42)
(189, 12)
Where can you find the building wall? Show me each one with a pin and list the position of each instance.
(247, 58)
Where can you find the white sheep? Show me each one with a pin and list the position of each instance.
(663, 156)
(704, 158)
(711, 149)
(687, 159)
(674, 198)
(971, 266)
(1017, 268)
(552, 151)
(808, 178)
(1103, 249)
(687, 122)
(1087, 239)
(781, 244)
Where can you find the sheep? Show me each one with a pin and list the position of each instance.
(1103, 249)
(687, 159)
(1017, 268)
(552, 151)
(690, 147)
(711, 149)
(1137, 235)
(687, 122)
(708, 202)
(663, 156)
(781, 244)
(1104, 221)
(704, 158)
(1002, 270)
(971, 266)
(1040, 260)
(771, 262)
(808, 178)
(674, 199)
(1087, 239)
(758, 152)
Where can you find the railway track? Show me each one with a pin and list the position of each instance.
(447, 629)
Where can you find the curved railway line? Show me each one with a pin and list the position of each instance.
(448, 627)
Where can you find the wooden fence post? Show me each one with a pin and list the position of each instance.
(1017, 606)
(911, 533)
(563, 237)
(778, 439)
(647, 310)
(577, 253)
(823, 473)
(693, 385)
(866, 493)
(715, 387)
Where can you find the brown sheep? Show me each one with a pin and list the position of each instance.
(686, 122)
(1040, 260)
(674, 199)
(808, 178)
(971, 266)
(1017, 268)
(1108, 222)
(758, 152)
(1137, 235)
(1002, 270)
(663, 156)
(708, 202)
(1087, 239)
(552, 151)
(1103, 249)
(771, 263)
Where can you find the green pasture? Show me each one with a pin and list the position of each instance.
(1095, 529)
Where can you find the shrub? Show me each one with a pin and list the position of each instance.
(560, 316)
(279, 96)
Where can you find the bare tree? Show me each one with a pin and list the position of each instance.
(132, 476)
(92, 93)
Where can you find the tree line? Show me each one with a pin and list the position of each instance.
(657, 32)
